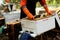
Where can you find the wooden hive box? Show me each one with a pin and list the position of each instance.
(13, 29)
(39, 25)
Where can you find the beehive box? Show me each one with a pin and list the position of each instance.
(39, 25)
(58, 14)
(13, 29)
(11, 16)
(2, 21)
(58, 18)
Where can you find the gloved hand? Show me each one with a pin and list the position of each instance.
(29, 15)
(50, 13)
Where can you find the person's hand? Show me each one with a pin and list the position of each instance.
(50, 13)
(30, 16)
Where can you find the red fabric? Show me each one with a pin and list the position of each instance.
(42, 2)
(7, 1)
(22, 3)
(30, 16)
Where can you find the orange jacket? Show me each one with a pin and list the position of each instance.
(23, 2)
(26, 11)
(7, 1)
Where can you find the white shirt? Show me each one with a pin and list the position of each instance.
(1, 2)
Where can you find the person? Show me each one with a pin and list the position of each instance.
(7, 1)
(28, 8)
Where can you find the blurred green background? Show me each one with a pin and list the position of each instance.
(49, 3)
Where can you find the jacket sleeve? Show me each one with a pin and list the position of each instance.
(43, 2)
(22, 3)
(7, 1)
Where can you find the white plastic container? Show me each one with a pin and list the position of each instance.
(11, 16)
(58, 19)
(38, 26)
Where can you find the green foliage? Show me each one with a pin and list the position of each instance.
(53, 2)
(50, 3)
(38, 4)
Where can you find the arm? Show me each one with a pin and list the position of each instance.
(43, 3)
(7, 1)
(25, 10)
